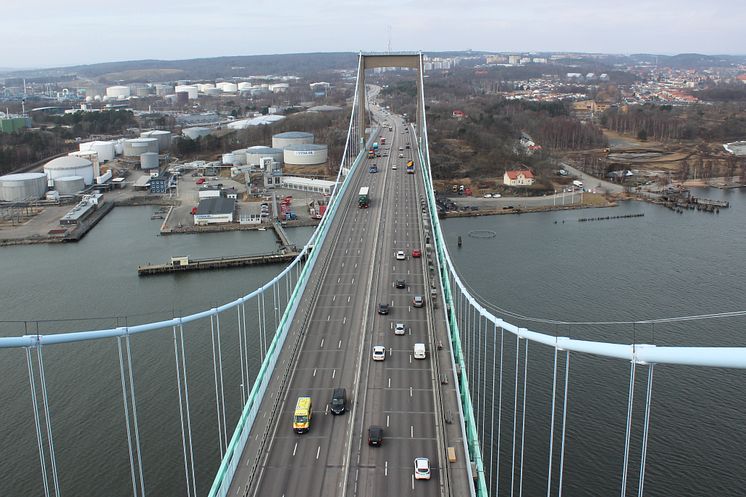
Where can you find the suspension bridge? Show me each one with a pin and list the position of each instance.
(378, 277)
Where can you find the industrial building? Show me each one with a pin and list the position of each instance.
(282, 140)
(255, 154)
(215, 210)
(78, 213)
(22, 187)
(191, 91)
(159, 184)
(307, 154)
(307, 184)
(70, 166)
(11, 124)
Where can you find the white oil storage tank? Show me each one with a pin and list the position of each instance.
(212, 92)
(195, 132)
(306, 155)
(239, 156)
(104, 149)
(229, 159)
(191, 91)
(226, 87)
(118, 92)
(70, 166)
(282, 140)
(22, 187)
(255, 154)
(163, 137)
(148, 161)
(138, 146)
(69, 185)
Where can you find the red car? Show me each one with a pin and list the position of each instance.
(200, 181)
(416, 253)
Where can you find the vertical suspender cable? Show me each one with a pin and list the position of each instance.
(478, 376)
(492, 407)
(523, 422)
(551, 427)
(646, 430)
(217, 393)
(263, 314)
(246, 346)
(186, 400)
(260, 322)
(134, 412)
(240, 357)
(629, 427)
(127, 417)
(515, 412)
(564, 423)
(181, 414)
(37, 422)
(222, 382)
(50, 439)
(484, 387)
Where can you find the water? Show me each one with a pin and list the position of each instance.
(56, 284)
(660, 265)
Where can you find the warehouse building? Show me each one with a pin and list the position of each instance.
(215, 210)
(307, 184)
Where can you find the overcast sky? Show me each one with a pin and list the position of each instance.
(46, 33)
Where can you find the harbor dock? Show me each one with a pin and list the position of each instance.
(179, 264)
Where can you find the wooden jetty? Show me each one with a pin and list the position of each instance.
(179, 264)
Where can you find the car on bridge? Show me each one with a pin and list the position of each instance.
(339, 400)
(418, 301)
(400, 329)
(422, 468)
(383, 309)
(400, 284)
(400, 255)
(379, 352)
(375, 436)
(416, 253)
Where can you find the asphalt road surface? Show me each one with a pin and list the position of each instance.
(356, 272)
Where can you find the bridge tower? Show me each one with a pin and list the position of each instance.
(395, 59)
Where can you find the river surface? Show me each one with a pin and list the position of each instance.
(543, 265)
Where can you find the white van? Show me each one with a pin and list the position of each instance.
(419, 351)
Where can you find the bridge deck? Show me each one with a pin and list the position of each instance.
(330, 346)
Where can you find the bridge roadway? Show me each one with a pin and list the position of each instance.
(335, 329)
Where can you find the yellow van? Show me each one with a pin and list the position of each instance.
(302, 416)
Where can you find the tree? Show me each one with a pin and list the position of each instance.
(642, 135)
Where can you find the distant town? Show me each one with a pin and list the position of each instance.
(260, 140)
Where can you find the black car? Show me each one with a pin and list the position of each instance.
(400, 284)
(383, 308)
(375, 436)
(338, 404)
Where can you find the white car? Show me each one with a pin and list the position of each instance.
(422, 468)
(400, 329)
(379, 352)
(496, 195)
(400, 255)
(401, 156)
(393, 166)
(487, 195)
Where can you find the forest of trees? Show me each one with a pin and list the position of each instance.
(21, 149)
(723, 122)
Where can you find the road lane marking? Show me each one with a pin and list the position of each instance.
(389, 382)
(339, 279)
(328, 317)
(410, 358)
(318, 451)
(356, 265)
(387, 421)
(334, 373)
(339, 345)
(410, 391)
(314, 371)
(322, 344)
(386, 469)
(334, 298)
(295, 448)
(344, 320)
(412, 482)
(348, 298)
(326, 410)
(353, 281)
(343, 264)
